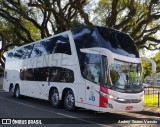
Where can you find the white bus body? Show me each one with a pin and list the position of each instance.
(68, 69)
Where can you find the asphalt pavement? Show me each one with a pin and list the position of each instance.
(29, 109)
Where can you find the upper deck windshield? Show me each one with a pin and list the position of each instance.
(104, 37)
(126, 76)
(117, 42)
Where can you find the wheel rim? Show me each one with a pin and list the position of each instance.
(12, 91)
(17, 92)
(55, 98)
(70, 100)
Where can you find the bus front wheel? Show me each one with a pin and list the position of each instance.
(69, 101)
(54, 98)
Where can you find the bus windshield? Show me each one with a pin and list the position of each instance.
(126, 76)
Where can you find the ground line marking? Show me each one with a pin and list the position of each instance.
(69, 116)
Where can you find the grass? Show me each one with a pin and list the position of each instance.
(153, 86)
(151, 101)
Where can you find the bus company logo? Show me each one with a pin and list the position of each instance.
(6, 121)
(129, 108)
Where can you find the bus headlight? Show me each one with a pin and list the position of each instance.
(120, 100)
(107, 95)
(111, 97)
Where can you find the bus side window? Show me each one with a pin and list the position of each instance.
(62, 45)
(55, 74)
(59, 74)
(27, 51)
(41, 74)
(10, 56)
(37, 50)
(18, 54)
(92, 72)
(28, 74)
(91, 67)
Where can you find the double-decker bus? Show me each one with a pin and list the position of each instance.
(91, 67)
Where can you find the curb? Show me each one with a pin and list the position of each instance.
(151, 113)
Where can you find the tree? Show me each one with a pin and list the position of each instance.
(147, 66)
(30, 21)
(138, 18)
(146, 69)
(26, 21)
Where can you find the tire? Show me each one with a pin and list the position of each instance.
(11, 91)
(17, 92)
(69, 101)
(54, 98)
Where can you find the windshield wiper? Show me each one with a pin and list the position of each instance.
(109, 86)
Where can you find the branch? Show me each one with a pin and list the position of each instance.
(112, 19)
(149, 47)
(130, 15)
(143, 22)
(145, 39)
(78, 6)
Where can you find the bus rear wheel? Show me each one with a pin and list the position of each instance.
(11, 91)
(69, 101)
(17, 92)
(54, 98)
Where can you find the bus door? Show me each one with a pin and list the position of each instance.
(92, 96)
(92, 86)
(90, 65)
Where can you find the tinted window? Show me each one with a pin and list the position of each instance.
(18, 54)
(59, 44)
(90, 65)
(53, 74)
(85, 38)
(27, 74)
(59, 74)
(41, 74)
(62, 45)
(27, 51)
(118, 42)
(38, 49)
(9, 56)
(92, 72)
(22, 53)
(49, 45)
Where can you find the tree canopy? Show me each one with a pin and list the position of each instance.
(147, 66)
(25, 21)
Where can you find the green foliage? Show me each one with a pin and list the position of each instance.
(36, 35)
(156, 58)
(146, 66)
